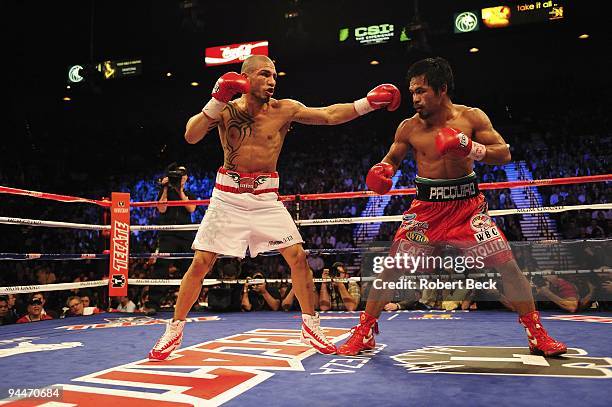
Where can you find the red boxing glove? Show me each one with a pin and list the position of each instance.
(225, 88)
(454, 142)
(379, 178)
(382, 95)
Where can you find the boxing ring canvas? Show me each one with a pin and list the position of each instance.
(422, 358)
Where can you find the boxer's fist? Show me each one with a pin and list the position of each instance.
(379, 178)
(385, 95)
(454, 142)
(225, 88)
(228, 85)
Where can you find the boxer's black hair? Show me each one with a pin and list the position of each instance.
(437, 72)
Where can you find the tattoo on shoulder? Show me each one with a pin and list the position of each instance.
(239, 127)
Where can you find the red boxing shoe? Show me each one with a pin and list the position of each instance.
(539, 341)
(169, 342)
(362, 336)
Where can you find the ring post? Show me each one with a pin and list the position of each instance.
(119, 244)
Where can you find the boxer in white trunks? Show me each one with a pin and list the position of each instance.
(244, 210)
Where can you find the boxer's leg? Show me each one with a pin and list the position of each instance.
(303, 285)
(301, 277)
(191, 284)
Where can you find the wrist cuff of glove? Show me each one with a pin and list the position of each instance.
(478, 151)
(362, 106)
(213, 108)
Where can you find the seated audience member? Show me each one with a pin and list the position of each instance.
(126, 305)
(76, 307)
(260, 297)
(6, 317)
(405, 300)
(337, 296)
(40, 296)
(34, 312)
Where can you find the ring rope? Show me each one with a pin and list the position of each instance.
(20, 289)
(189, 255)
(304, 222)
(54, 197)
(319, 196)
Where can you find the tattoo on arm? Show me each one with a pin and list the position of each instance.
(238, 129)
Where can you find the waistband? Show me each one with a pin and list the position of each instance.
(443, 190)
(246, 182)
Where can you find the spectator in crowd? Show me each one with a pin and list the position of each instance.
(557, 290)
(259, 296)
(405, 300)
(336, 295)
(76, 307)
(172, 189)
(6, 316)
(41, 297)
(34, 311)
(126, 305)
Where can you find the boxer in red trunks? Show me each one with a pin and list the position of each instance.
(446, 139)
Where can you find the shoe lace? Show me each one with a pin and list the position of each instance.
(358, 332)
(318, 333)
(171, 333)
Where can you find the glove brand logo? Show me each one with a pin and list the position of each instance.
(503, 361)
(463, 140)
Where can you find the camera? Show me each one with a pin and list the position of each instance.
(538, 281)
(334, 271)
(174, 174)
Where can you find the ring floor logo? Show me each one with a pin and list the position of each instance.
(206, 374)
(19, 346)
(503, 361)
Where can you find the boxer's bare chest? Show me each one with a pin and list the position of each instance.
(422, 138)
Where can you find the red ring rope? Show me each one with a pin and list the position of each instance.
(312, 197)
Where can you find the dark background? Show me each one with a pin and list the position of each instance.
(134, 126)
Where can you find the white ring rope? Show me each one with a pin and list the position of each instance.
(304, 222)
(211, 281)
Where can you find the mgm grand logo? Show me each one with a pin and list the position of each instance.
(491, 360)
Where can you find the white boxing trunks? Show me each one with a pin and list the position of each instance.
(244, 211)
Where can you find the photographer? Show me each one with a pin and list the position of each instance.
(338, 297)
(557, 290)
(260, 297)
(172, 189)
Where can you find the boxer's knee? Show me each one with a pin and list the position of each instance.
(295, 256)
(202, 263)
